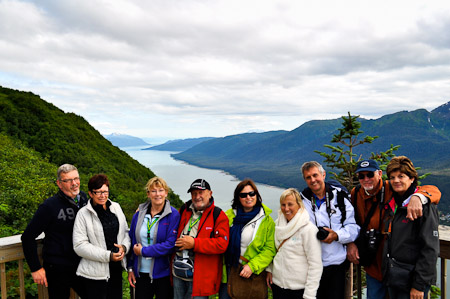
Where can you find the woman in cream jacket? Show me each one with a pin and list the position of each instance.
(100, 238)
(296, 269)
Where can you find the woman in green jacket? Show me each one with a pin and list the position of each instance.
(252, 246)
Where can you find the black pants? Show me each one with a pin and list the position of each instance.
(61, 279)
(102, 289)
(332, 283)
(160, 287)
(280, 293)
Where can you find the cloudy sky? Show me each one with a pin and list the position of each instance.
(177, 69)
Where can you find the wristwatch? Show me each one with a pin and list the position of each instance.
(130, 270)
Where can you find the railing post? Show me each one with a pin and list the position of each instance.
(3, 279)
(359, 281)
(349, 283)
(42, 292)
(443, 277)
(21, 280)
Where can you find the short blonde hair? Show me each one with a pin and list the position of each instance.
(156, 182)
(295, 194)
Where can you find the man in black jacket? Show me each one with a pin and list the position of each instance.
(55, 217)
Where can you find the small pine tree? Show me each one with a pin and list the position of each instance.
(343, 156)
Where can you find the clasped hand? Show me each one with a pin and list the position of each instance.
(117, 256)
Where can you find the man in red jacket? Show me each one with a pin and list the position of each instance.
(202, 239)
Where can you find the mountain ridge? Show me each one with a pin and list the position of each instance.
(178, 145)
(123, 140)
(276, 158)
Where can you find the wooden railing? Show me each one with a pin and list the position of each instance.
(11, 250)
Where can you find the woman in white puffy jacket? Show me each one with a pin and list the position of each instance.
(296, 269)
(100, 238)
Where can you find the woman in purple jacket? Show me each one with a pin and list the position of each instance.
(153, 233)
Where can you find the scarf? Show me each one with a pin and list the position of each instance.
(399, 199)
(285, 229)
(234, 247)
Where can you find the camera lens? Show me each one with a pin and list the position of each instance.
(322, 234)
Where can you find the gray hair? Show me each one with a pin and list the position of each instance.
(65, 168)
(308, 165)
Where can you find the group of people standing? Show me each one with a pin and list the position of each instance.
(200, 250)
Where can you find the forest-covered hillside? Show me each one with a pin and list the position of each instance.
(36, 137)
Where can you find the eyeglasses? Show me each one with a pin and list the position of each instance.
(244, 195)
(100, 192)
(70, 180)
(369, 175)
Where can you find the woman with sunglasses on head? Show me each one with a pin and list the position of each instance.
(100, 238)
(252, 247)
(153, 233)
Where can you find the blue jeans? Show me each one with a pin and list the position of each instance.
(375, 288)
(223, 291)
(183, 289)
(398, 294)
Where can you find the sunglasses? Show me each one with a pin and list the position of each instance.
(369, 175)
(244, 195)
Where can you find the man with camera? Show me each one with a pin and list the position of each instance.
(369, 199)
(331, 211)
(203, 237)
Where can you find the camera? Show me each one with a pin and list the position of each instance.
(371, 239)
(322, 234)
(115, 249)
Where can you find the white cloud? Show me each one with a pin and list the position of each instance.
(194, 68)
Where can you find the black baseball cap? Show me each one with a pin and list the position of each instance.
(367, 165)
(199, 184)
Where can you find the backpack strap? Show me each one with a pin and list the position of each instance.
(341, 195)
(355, 203)
(182, 208)
(216, 213)
(369, 216)
(341, 205)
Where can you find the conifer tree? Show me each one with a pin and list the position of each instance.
(343, 157)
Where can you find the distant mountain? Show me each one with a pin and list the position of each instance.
(179, 145)
(122, 140)
(276, 157)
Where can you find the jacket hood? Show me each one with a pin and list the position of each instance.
(167, 210)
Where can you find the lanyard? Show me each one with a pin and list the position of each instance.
(149, 226)
(328, 207)
(191, 225)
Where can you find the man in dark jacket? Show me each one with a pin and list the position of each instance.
(55, 217)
